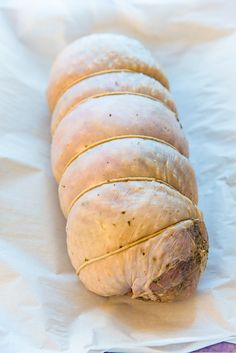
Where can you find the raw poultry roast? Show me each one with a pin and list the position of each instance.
(126, 185)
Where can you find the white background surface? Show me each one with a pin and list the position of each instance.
(43, 307)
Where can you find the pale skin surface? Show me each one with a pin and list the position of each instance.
(163, 268)
(133, 225)
(110, 82)
(113, 215)
(114, 115)
(147, 207)
(99, 52)
(127, 157)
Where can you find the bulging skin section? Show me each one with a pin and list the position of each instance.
(96, 53)
(110, 116)
(127, 157)
(167, 268)
(112, 216)
(118, 81)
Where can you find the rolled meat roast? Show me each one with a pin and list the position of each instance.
(126, 185)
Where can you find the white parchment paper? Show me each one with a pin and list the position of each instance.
(43, 307)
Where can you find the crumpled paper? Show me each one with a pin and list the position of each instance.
(43, 306)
